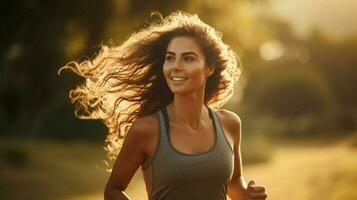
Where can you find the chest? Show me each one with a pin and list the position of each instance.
(188, 141)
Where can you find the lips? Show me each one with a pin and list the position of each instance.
(177, 78)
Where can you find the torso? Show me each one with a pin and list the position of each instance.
(191, 142)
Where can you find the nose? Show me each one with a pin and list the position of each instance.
(177, 66)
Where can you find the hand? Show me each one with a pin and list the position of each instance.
(255, 192)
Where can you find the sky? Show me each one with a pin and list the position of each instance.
(337, 17)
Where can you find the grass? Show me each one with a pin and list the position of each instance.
(310, 169)
(53, 170)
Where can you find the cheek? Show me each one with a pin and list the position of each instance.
(165, 70)
(198, 73)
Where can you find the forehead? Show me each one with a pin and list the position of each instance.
(181, 44)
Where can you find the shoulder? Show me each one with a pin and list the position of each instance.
(143, 124)
(231, 121)
(142, 130)
(143, 127)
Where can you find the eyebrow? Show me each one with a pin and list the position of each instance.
(185, 53)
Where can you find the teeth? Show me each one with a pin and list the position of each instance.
(178, 78)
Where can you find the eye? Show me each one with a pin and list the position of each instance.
(170, 58)
(189, 59)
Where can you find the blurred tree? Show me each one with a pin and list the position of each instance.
(290, 91)
(294, 95)
(38, 36)
(336, 60)
(32, 48)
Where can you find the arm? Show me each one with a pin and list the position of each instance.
(115, 194)
(237, 187)
(131, 156)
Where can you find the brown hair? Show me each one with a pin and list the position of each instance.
(123, 83)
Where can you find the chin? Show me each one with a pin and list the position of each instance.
(176, 91)
(182, 91)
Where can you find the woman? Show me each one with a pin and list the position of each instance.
(157, 93)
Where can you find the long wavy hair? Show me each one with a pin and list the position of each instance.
(126, 82)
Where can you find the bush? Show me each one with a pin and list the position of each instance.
(296, 91)
(289, 101)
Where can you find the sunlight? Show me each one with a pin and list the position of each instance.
(271, 50)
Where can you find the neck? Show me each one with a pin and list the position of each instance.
(188, 109)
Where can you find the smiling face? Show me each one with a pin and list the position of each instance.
(185, 68)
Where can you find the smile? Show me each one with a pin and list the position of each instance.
(177, 78)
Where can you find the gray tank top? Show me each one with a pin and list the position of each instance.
(174, 175)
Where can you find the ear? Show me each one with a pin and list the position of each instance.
(210, 71)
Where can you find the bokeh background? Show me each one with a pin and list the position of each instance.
(297, 96)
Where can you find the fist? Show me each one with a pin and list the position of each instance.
(256, 192)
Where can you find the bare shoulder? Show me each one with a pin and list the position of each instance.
(133, 152)
(144, 124)
(231, 121)
(143, 128)
(229, 118)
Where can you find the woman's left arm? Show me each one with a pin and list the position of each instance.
(238, 189)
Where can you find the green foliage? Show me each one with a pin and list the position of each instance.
(48, 34)
(337, 62)
(290, 101)
(290, 91)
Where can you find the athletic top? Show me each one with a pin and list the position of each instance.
(174, 175)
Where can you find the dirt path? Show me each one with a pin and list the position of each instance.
(308, 173)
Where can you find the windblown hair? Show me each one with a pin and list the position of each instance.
(126, 82)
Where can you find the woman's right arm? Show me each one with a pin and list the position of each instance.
(130, 157)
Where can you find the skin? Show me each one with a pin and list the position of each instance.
(191, 128)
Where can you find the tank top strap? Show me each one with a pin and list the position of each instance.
(174, 175)
(220, 132)
(164, 127)
(163, 142)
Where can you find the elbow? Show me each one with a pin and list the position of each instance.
(111, 193)
(107, 193)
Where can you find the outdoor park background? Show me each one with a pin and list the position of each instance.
(296, 97)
